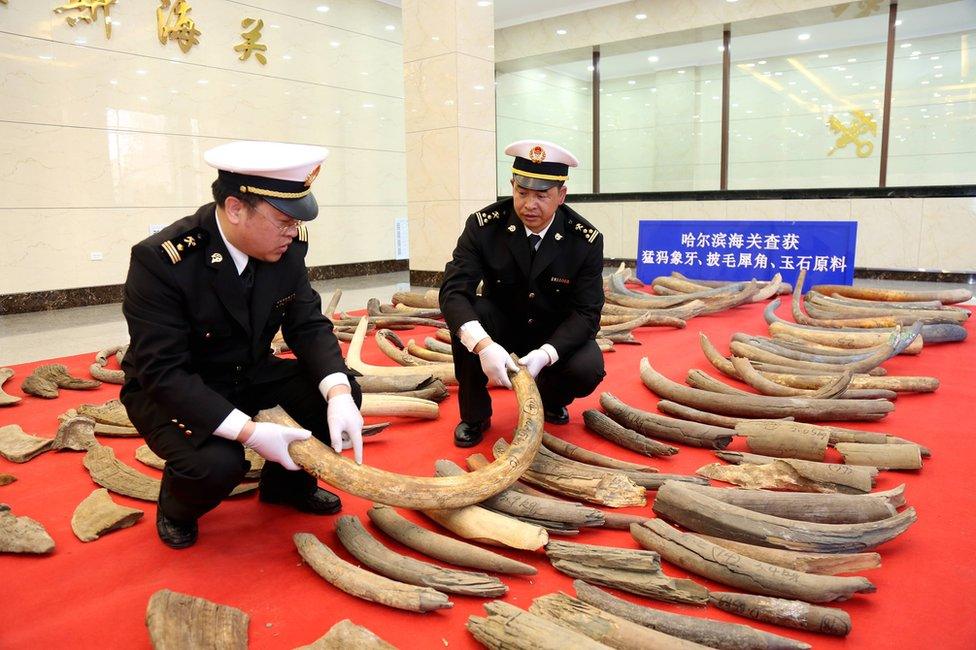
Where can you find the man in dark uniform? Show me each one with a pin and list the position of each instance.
(542, 268)
(203, 299)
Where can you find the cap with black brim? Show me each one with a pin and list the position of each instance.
(294, 198)
(538, 176)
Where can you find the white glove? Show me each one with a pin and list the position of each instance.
(271, 442)
(535, 361)
(495, 362)
(345, 425)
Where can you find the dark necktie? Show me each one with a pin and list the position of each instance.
(247, 281)
(534, 240)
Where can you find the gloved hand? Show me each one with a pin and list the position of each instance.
(495, 361)
(345, 424)
(535, 361)
(271, 441)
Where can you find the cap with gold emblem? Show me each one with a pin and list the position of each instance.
(540, 165)
(278, 172)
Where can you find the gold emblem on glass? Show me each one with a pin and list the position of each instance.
(862, 124)
(177, 24)
(88, 12)
(250, 43)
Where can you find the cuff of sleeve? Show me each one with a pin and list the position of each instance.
(551, 351)
(232, 425)
(471, 334)
(331, 381)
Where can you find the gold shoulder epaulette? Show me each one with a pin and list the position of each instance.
(485, 218)
(588, 232)
(174, 249)
(302, 233)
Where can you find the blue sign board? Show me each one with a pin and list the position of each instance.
(742, 250)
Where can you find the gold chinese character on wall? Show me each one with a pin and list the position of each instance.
(861, 125)
(250, 43)
(177, 24)
(88, 12)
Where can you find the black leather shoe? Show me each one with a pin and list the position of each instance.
(468, 434)
(175, 533)
(318, 502)
(556, 416)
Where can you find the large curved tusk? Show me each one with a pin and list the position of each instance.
(22, 534)
(391, 345)
(606, 428)
(442, 371)
(437, 345)
(605, 628)
(802, 408)
(824, 564)
(180, 621)
(703, 514)
(788, 613)
(577, 453)
(428, 354)
(730, 568)
(711, 633)
(850, 338)
(421, 493)
(945, 296)
(836, 388)
(442, 547)
(368, 550)
(796, 474)
(97, 514)
(5, 398)
(364, 584)
(378, 404)
(659, 426)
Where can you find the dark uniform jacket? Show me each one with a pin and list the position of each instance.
(193, 339)
(555, 298)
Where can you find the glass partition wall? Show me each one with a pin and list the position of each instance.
(806, 94)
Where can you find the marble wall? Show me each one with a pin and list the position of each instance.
(100, 138)
(898, 234)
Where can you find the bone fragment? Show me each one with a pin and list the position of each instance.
(441, 547)
(103, 374)
(98, 514)
(111, 412)
(346, 635)
(18, 446)
(607, 428)
(788, 613)
(22, 534)
(365, 548)
(363, 584)
(603, 627)
(509, 628)
(703, 514)
(881, 456)
(655, 585)
(77, 433)
(178, 621)
(7, 479)
(46, 379)
(106, 470)
(827, 564)
(730, 568)
(708, 632)
(790, 474)
(609, 557)
(783, 443)
(6, 399)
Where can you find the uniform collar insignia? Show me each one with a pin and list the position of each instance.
(511, 228)
(216, 258)
(558, 236)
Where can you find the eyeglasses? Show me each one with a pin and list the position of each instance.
(281, 227)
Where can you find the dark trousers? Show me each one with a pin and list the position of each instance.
(575, 375)
(197, 479)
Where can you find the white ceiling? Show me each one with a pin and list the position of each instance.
(516, 12)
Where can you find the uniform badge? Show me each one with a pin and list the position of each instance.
(216, 258)
(537, 154)
(511, 229)
(312, 175)
(558, 236)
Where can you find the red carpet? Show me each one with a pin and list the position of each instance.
(94, 595)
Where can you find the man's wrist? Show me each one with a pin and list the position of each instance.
(338, 389)
(246, 432)
(482, 344)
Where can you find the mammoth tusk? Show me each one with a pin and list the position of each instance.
(427, 354)
(180, 621)
(785, 443)
(802, 408)
(490, 527)
(442, 371)
(826, 564)
(881, 456)
(824, 508)
(703, 514)
(437, 345)
(839, 387)
(5, 398)
(420, 493)
(426, 300)
(600, 626)
(391, 345)
(378, 404)
(365, 548)
(783, 287)
(849, 338)
(605, 427)
(799, 475)
(574, 452)
(442, 547)
(333, 304)
(835, 434)
(711, 633)
(788, 613)
(507, 626)
(683, 412)
(363, 584)
(730, 568)
(18, 446)
(97, 514)
(608, 557)
(22, 534)
(396, 383)
(659, 426)
(945, 296)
